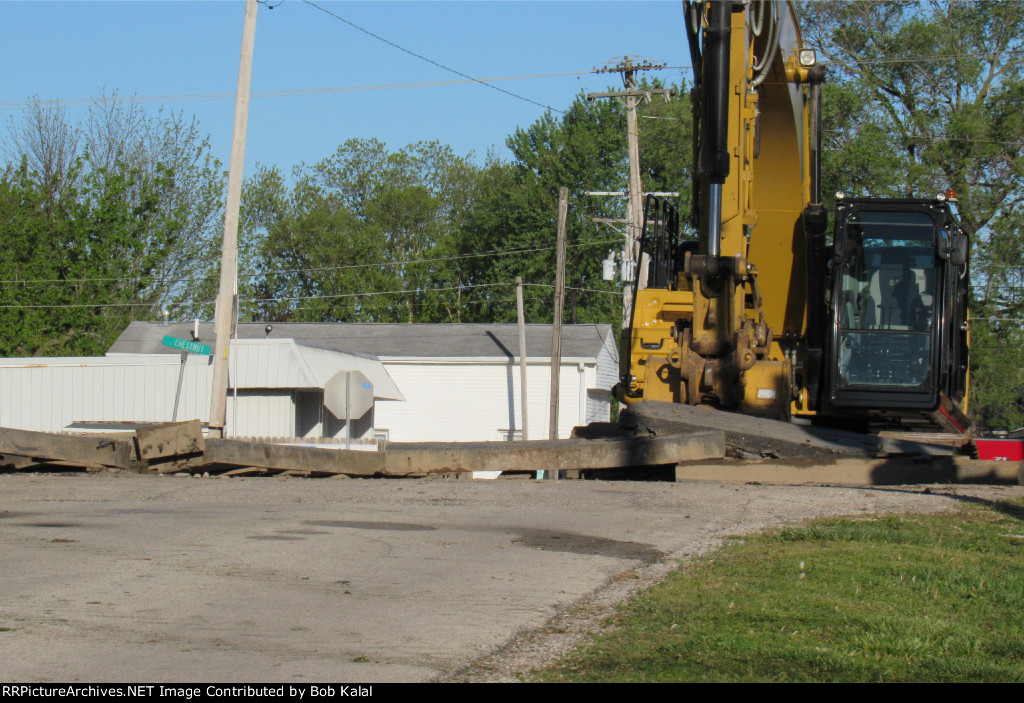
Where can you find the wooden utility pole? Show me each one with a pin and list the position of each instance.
(523, 420)
(227, 296)
(556, 327)
(635, 203)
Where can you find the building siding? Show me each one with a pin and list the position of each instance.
(599, 405)
(48, 398)
(447, 399)
(261, 413)
(476, 402)
(607, 369)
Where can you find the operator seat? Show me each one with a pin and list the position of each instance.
(896, 292)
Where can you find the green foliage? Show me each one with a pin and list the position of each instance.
(422, 235)
(105, 222)
(581, 150)
(516, 205)
(83, 254)
(666, 144)
(897, 598)
(364, 235)
(123, 214)
(936, 87)
(998, 375)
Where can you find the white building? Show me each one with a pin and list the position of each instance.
(459, 382)
(276, 389)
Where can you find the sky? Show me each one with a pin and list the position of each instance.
(342, 81)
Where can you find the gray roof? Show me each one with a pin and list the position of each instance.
(385, 340)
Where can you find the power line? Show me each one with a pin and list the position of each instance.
(454, 257)
(275, 272)
(460, 287)
(333, 296)
(56, 103)
(430, 61)
(938, 58)
(321, 296)
(58, 282)
(575, 288)
(937, 140)
(62, 306)
(370, 294)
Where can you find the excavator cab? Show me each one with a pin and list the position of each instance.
(898, 287)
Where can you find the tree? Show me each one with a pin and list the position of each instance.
(72, 267)
(998, 380)
(666, 144)
(47, 142)
(925, 96)
(366, 234)
(513, 216)
(121, 211)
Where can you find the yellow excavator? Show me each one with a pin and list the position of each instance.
(760, 313)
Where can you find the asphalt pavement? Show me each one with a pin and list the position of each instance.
(120, 577)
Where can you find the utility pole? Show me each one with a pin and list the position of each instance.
(556, 327)
(523, 421)
(634, 204)
(227, 296)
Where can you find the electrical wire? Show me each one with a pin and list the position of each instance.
(334, 296)
(57, 103)
(62, 306)
(430, 61)
(275, 272)
(938, 58)
(322, 296)
(937, 140)
(455, 257)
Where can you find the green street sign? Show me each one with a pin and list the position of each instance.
(187, 345)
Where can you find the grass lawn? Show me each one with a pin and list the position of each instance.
(899, 598)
